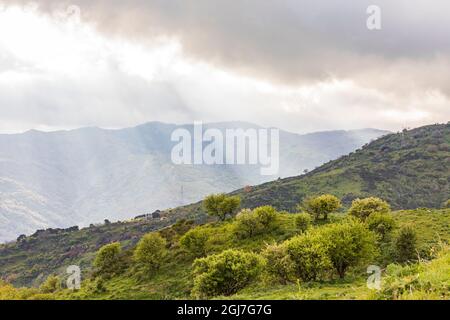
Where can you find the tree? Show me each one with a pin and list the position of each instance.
(250, 223)
(350, 244)
(278, 264)
(221, 205)
(194, 241)
(406, 245)
(363, 208)
(308, 252)
(381, 224)
(302, 221)
(149, 252)
(321, 206)
(107, 261)
(225, 273)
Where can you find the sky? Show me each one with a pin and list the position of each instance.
(298, 65)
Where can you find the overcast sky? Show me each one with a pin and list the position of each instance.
(295, 64)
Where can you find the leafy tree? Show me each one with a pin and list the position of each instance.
(194, 241)
(279, 265)
(406, 245)
(363, 208)
(50, 285)
(321, 206)
(250, 223)
(381, 224)
(149, 252)
(309, 255)
(107, 261)
(221, 205)
(225, 273)
(350, 244)
(302, 221)
(266, 215)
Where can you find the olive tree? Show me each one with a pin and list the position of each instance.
(363, 208)
(321, 206)
(221, 205)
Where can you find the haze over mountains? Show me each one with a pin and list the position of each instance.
(83, 176)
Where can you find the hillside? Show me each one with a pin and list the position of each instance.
(174, 279)
(65, 178)
(410, 169)
(418, 158)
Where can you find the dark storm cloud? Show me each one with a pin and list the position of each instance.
(293, 41)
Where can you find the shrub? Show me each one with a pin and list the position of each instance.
(107, 261)
(150, 252)
(381, 224)
(279, 265)
(350, 244)
(308, 253)
(225, 273)
(321, 206)
(250, 223)
(194, 241)
(50, 285)
(302, 221)
(221, 205)
(247, 224)
(406, 245)
(363, 208)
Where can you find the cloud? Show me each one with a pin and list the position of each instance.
(299, 65)
(294, 42)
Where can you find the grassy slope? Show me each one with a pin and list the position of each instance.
(174, 280)
(409, 170)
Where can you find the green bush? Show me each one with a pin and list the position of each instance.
(221, 205)
(321, 206)
(363, 208)
(251, 223)
(309, 255)
(302, 221)
(279, 265)
(107, 261)
(406, 245)
(50, 285)
(194, 241)
(225, 273)
(150, 252)
(381, 224)
(350, 244)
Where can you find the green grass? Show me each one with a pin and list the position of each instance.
(174, 280)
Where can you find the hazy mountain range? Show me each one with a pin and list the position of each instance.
(77, 177)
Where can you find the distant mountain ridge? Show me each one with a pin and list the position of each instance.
(83, 176)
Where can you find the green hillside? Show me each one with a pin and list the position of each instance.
(409, 170)
(174, 279)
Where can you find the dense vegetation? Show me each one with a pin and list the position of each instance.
(287, 260)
